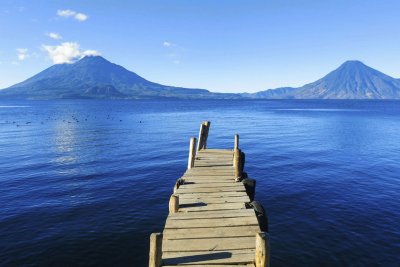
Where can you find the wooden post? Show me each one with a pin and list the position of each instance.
(205, 134)
(155, 255)
(173, 203)
(262, 250)
(236, 145)
(238, 164)
(200, 140)
(236, 157)
(192, 151)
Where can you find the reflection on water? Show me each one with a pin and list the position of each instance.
(65, 142)
(317, 109)
(14, 106)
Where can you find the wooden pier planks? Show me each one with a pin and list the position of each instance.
(208, 224)
(212, 216)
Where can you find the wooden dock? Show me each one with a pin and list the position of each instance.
(213, 219)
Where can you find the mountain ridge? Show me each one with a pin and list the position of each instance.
(351, 80)
(96, 77)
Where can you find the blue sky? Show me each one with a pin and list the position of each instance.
(223, 46)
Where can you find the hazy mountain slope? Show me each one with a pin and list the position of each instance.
(352, 80)
(94, 76)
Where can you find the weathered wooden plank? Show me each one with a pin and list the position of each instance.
(208, 176)
(210, 181)
(213, 164)
(209, 173)
(232, 231)
(227, 162)
(211, 222)
(213, 200)
(214, 194)
(200, 171)
(208, 168)
(218, 169)
(215, 150)
(213, 265)
(208, 244)
(209, 207)
(215, 158)
(227, 167)
(210, 257)
(197, 183)
(212, 214)
(210, 189)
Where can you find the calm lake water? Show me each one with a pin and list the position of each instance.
(84, 183)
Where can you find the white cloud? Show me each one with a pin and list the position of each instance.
(22, 54)
(66, 13)
(90, 53)
(167, 44)
(81, 17)
(67, 52)
(54, 35)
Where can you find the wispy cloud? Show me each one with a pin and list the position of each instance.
(167, 44)
(173, 51)
(22, 54)
(67, 52)
(54, 35)
(67, 13)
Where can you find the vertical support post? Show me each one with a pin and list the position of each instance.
(236, 157)
(205, 135)
(192, 152)
(237, 163)
(173, 203)
(262, 250)
(200, 140)
(236, 145)
(155, 255)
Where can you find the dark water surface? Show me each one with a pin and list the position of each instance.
(84, 183)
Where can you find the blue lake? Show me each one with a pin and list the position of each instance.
(84, 183)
